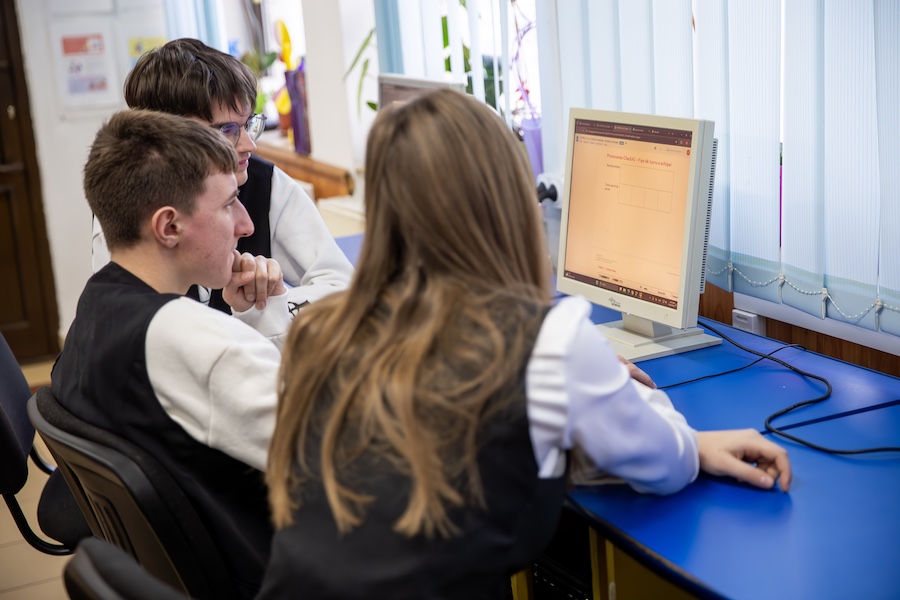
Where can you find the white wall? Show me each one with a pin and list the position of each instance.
(334, 32)
(233, 20)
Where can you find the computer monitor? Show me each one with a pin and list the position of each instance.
(635, 226)
(400, 88)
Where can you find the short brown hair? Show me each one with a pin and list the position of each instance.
(187, 77)
(143, 160)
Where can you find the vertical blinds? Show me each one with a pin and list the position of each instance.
(812, 84)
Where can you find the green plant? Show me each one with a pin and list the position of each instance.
(259, 63)
(368, 42)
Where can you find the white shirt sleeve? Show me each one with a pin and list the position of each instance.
(580, 396)
(99, 251)
(216, 375)
(313, 264)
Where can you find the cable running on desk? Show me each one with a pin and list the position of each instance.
(730, 371)
(768, 423)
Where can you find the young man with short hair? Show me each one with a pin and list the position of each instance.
(192, 385)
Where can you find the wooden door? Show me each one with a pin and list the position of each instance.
(28, 312)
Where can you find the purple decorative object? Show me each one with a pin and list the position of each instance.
(296, 87)
(531, 135)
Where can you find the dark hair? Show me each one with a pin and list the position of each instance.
(143, 160)
(187, 77)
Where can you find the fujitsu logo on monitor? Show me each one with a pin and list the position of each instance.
(615, 302)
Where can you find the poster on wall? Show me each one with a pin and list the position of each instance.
(140, 30)
(85, 63)
(140, 44)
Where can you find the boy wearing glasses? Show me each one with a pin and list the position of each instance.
(188, 78)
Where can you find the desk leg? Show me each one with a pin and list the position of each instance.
(602, 567)
(522, 585)
(617, 576)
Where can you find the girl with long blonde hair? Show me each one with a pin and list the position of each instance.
(425, 414)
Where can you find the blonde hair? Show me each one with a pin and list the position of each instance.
(403, 363)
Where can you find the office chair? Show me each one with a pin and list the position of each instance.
(102, 571)
(16, 445)
(132, 502)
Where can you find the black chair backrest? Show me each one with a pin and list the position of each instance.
(101, 571)
(16, 444)
(132, 502)
(16, 432)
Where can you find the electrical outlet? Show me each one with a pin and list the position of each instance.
(746, 321)
(554, 181)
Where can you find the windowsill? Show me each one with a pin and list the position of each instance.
(884, 342)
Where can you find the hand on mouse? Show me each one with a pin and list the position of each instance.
(745, 455)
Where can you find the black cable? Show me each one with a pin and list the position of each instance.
(768, 423)
(735, 370)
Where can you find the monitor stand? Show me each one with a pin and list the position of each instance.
(637, 338)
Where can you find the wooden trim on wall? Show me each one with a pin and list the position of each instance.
(717, 304)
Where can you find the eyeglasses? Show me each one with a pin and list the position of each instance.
(254, 127)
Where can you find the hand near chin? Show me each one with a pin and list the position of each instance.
(253, 280)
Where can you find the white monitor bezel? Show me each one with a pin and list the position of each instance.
(696, 222)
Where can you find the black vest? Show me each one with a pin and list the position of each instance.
(311, 560)
(256, 196)
(101, 376)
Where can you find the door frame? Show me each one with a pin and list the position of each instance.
(46, 314)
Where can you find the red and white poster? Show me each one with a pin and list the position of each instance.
(85, 62)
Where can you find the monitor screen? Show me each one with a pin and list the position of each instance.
(635, 225)
(400, 88)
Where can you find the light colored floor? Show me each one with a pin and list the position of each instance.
(38, 373)
(25, 573)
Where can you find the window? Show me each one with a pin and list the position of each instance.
(490, 44)
(468, 40)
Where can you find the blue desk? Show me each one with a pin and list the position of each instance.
(350, 245)
(746, 398)
(836, 535)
